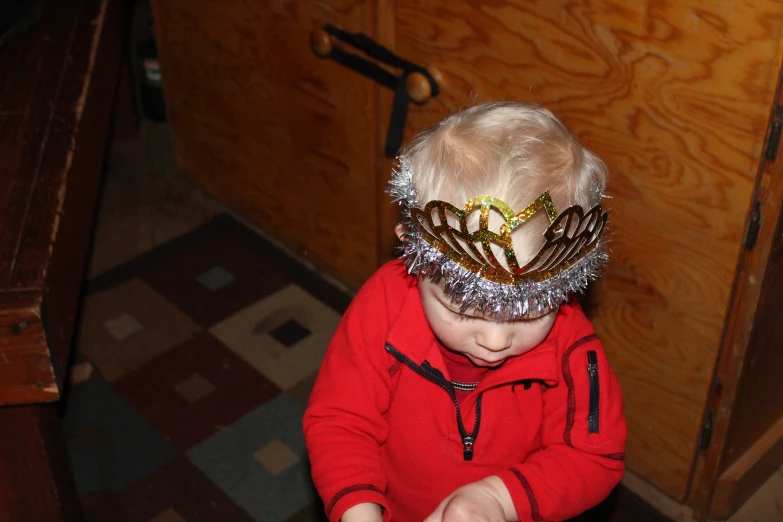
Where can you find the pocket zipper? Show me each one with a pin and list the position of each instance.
(595, 392)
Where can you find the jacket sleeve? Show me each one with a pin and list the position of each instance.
(583, 438)
(344, 423)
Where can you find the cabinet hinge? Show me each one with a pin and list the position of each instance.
(706, 431)
(773, 135)
(754, 223)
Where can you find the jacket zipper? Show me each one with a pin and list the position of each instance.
(434, 375)
(595, 392)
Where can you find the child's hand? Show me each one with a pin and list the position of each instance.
(366, 512)
(487, 500)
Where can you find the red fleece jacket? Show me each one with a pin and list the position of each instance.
(382, 424)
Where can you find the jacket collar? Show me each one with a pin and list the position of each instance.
(412, 336)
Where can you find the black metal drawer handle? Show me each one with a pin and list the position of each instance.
(414, 82)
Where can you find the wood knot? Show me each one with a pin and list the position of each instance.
(17, 328)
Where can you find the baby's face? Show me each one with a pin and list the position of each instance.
(484, 341)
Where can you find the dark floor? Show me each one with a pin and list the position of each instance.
(205, 349)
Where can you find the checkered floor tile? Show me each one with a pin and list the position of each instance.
(205, 352)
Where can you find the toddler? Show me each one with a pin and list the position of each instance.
(464, 382)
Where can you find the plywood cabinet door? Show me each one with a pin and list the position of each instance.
(675, 97)
(273, 131)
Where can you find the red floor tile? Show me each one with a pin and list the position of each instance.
(195, 389)
(213, 279)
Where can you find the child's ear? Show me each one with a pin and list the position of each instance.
(399, 230)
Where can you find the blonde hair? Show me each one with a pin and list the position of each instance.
(510, 150)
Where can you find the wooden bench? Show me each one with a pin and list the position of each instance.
(57, 91)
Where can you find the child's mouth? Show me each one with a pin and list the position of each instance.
(485, 364)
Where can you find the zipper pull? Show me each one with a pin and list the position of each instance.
(592, 363)
(467, 448)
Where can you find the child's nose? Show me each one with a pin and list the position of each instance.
(494, 339)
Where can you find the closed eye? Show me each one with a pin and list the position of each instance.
(533, 319)
(464, 317)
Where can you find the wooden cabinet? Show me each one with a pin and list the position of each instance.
(676, 96)
(281, 135)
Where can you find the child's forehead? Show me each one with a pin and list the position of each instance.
(437, 291)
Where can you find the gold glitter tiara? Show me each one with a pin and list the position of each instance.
(570, 237)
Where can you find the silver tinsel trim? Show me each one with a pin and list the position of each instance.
(469, 290)
(401, 188)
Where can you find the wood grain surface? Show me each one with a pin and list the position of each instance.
(756, 407)
(26, 370)
(285, 137)
(32, 71)
(747, 475)
(743, 399)
(388, 213)
(675, 97)
(37, 483)
(57, 84)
